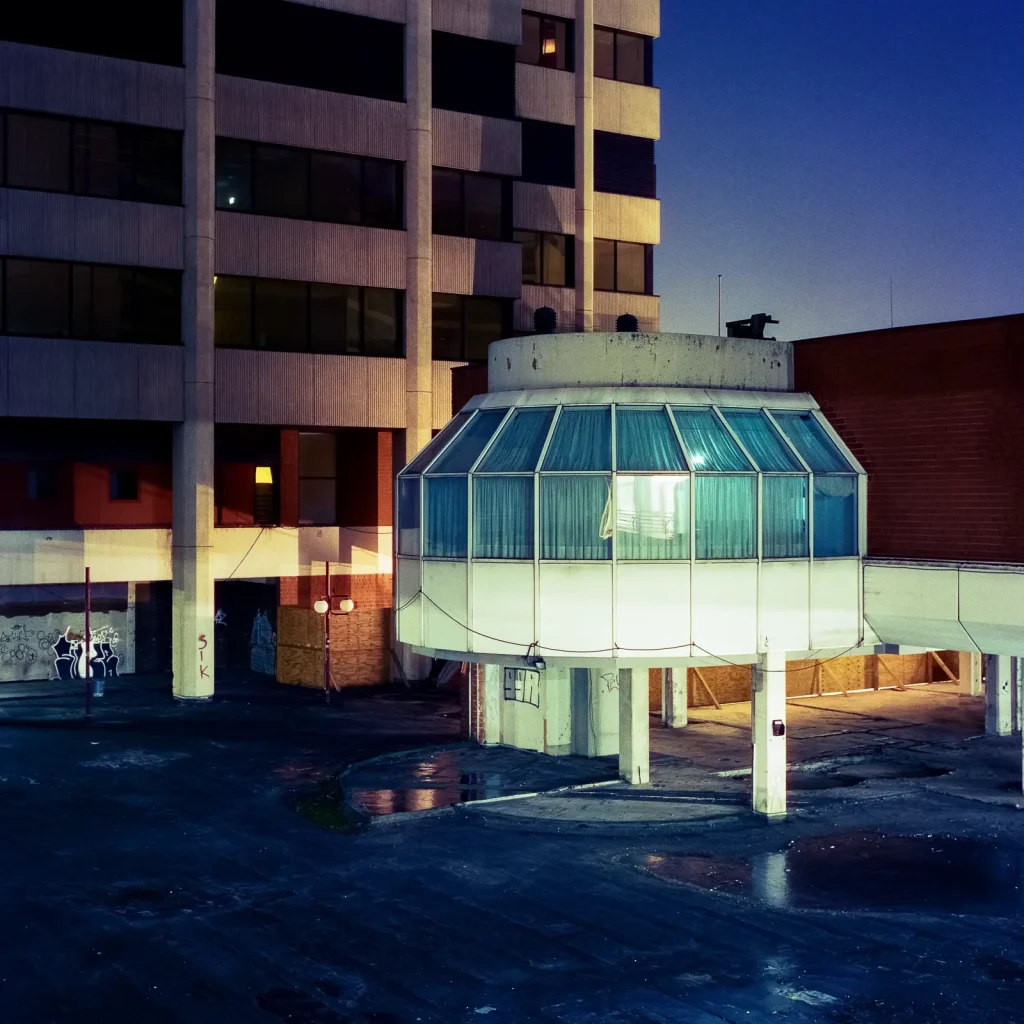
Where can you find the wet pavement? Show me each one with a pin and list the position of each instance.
(156, 866)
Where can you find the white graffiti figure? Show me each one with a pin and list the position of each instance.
(70, 654)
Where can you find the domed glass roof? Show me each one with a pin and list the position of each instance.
(630, 482)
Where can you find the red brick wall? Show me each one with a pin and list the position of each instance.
(467, 383)
(933, 414)
(365, 477)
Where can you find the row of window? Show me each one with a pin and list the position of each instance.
(298, 316)
(90, 158)
(621, 56)
(55, 299)
(42, 484)
(649, 517)
(472, 205)
(282, 181)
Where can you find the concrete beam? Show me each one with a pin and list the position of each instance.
(634, 727)
(769, 728)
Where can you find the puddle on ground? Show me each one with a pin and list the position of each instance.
(864, 871)
(379, 802)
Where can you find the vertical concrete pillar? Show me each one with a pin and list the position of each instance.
(556, 688)
(998, 695)
(584, 165)
(192, 634)
(127, 666)
(970, 674)
(674, 698)
(419, 225)
(769, 734)
(634, 727)
(1018, 694)
(490, 696)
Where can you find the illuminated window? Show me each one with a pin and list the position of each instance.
(547, 42)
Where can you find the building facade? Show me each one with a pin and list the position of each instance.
(246, 241)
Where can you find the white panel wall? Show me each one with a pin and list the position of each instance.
(575, 612)
(522, 725)
(785, 606)
(410, 615)
(724, 608)
(992, 610)
(915, 606)
(652, 607)
(445, 583)
(503, 607)
(835, 603)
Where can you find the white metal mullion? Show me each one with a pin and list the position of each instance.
(536, 516)
(613, 497)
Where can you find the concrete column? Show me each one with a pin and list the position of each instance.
(192, 544)
(489, 693)
(1018, 694)
(769, 729)
(127, 666)
(634, 727)
(557, 697)
(674, 698)
(419, 225)
(584, 165)
(970, 674)
(998, 695)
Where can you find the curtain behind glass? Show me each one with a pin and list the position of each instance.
(646, 442)
(811, 441)
(582, 440)
(503, 517)
(429, 453)
(835, 516)
(574, 517)
(784, 515)
(447, 511)
(461, 455)
(726, 509)
(409, 515)
(518, 446)
(708, 442)
(762, 441)
(653, 517)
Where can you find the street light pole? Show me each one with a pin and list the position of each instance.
(719, 305)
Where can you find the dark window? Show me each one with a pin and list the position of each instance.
(464, 325)
(624, 164)
(296, 316)
(318, 479)
(48, 299)
(471, 205)
(549, 154)
(546, 41)
(42, 484)
(298, 44)
(281, 181)
(150, 31)
(623, 267)
(476, 76)
(124, 485)
(91, 158)
(623, 56)
(547, 258)
(234, 175)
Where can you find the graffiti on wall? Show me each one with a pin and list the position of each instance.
(69, 650)
(263, 645)
(522, 685)
(22, 645)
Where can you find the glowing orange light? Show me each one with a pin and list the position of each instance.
(549, 45)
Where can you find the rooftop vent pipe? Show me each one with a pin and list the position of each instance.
(545, 320)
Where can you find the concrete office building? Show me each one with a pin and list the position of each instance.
(243, 243)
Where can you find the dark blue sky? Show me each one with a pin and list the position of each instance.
(813, 148)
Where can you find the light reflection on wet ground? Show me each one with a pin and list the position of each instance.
(864, 871)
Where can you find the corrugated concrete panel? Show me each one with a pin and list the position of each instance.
(543, 207)
(442, 385)
(472, 266)
(301, 250)
(640, 16)
(499, 20)
(627, 109)
(608, 306)
(293, 116)
(561, 300)
(55, 226)
(386, 10)
(386, 392)
(68, 379)
(544, 94)
(85, 85)
(470, 142)
(5, 347)
(627, 218)
(303, 389)
(560, 8)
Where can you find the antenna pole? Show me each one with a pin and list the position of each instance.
(719, 305)
(892, 322)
